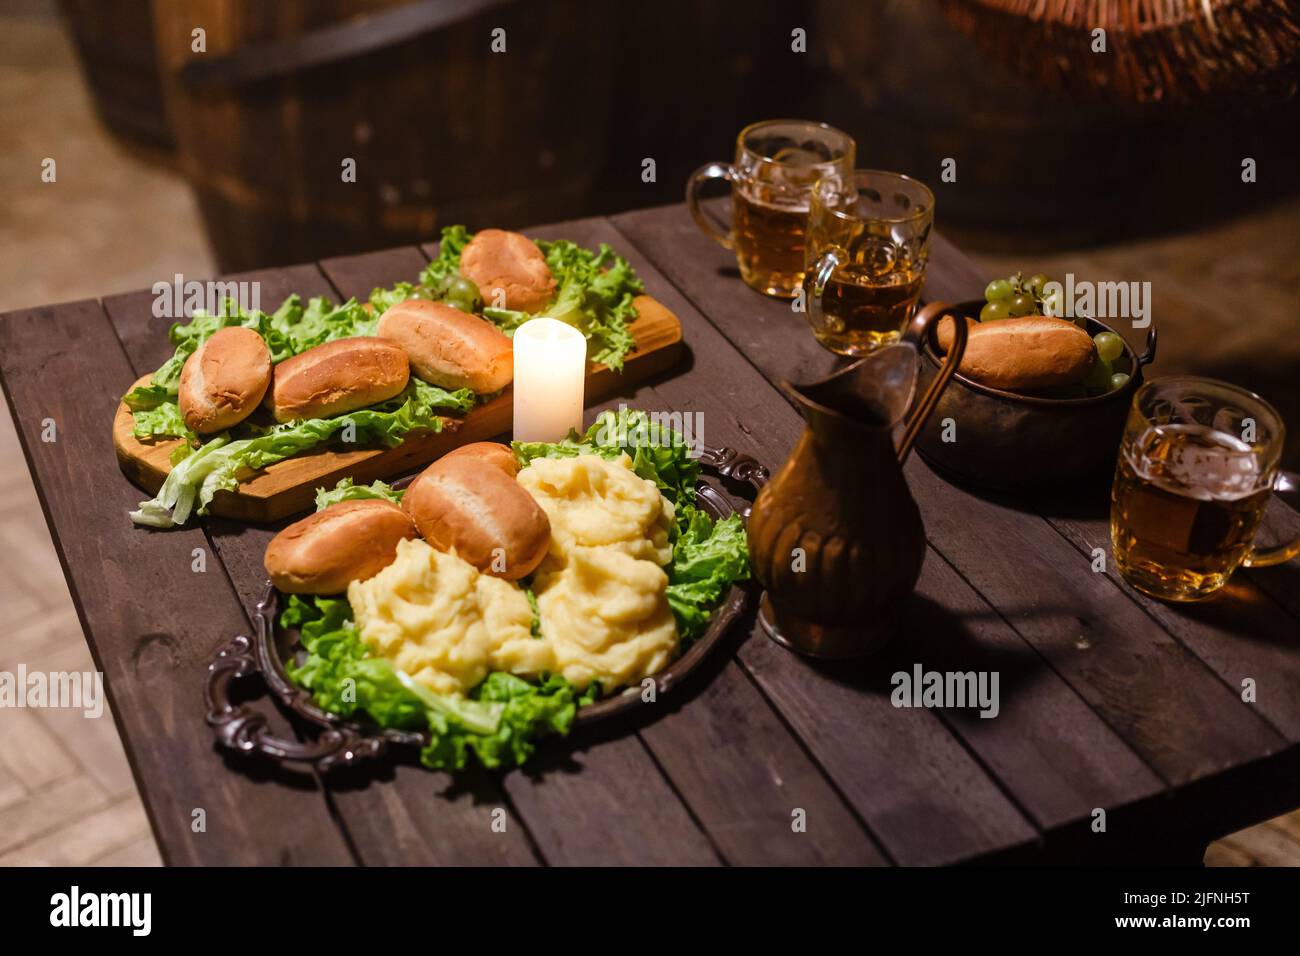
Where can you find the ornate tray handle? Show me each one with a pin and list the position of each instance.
(241, 728)
(730, 463)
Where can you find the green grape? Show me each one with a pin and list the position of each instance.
(998, 290)
(1109, 345)
(1098, 377)
(993, 311)
(1022, 303)
(463, 293)
(1036, 283)
(1118, 380)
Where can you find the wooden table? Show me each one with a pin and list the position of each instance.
(1108, 701)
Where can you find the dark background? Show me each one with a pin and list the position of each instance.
(445, 130)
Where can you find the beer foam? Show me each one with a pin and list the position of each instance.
(1194, 461)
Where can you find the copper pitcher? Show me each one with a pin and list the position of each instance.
(835, 537)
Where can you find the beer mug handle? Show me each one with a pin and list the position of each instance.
(695, 184)
(915, 334)
(815, 280)
(1264, 557)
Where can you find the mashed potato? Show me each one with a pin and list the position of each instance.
(600, 591)
(601, 587)
(436, 618)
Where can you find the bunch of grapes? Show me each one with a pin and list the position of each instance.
(1014, 297)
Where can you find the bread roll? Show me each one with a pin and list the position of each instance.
(223, 381)
(336, 378)
(496, 259)
(471, 506)
(1027, 353)
(448, 347)
(492, 452)
(346, 542)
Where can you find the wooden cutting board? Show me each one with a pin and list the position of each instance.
(289, 486)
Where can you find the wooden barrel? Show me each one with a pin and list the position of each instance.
(114, 42)
(441, 128)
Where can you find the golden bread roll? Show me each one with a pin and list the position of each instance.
(448, 347)
(492, 452)
(346, 542)
(496, 259)
(336, 378)
(473, 507)
(223, 381)
(1027, 353)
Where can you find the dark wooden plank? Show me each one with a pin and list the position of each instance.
(1181, 719)
(152, 623)
(619, 809)
(397, 820)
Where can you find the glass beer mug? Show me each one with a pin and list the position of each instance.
(867, 248)
(777, 164)
(1197, 464)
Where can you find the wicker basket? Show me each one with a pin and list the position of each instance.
(1156, 50)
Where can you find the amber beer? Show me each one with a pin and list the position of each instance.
(1187, 504)
(868, 244)
(769, 241)
(1195, 470)
(777, 164)
(863, 311)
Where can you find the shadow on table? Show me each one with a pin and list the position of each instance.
(1080, 500)
(934, 638)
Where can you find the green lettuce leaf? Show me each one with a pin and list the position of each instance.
(708, 556)
(299, 328)
(162, 421)
(345, 490)
(595, 295)
(499, 723)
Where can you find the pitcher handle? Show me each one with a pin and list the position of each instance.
(915, 334)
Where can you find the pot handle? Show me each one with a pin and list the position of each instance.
(1149, 356)
(915, 335)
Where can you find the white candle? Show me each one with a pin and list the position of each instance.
(550, 372)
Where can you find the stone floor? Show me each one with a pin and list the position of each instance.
(66, 791)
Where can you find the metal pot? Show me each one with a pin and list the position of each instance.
(1006, 441)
